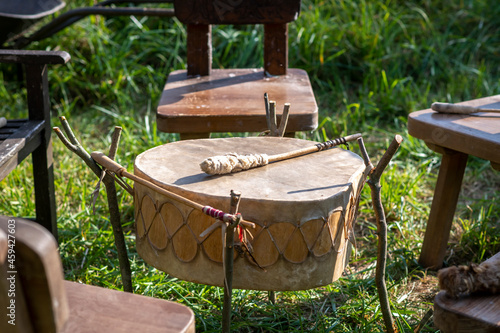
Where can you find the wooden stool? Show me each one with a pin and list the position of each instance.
(35, 297)
(468, 314)
(455, 136)
(201, 100)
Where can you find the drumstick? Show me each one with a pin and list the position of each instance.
(119, 170)
(459, 108)
(232, 162)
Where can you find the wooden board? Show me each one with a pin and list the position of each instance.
(236, 12)
(478, 313)
(18, 139)
(94, 309)
(34, 57)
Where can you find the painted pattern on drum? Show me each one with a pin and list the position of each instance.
(139, 220)
(184, 244)
(265, 252)
(147, 212)
(280, 234)
(281, 239)
(311, 230)
(296, 250)
(172, 218)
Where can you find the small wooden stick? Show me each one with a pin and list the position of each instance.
(459, 108)
(218, 165)
(115, 139)
(112, 153)
(266, 104)
(272, 115)
(364, 154)
(284, 119)
(211, 228)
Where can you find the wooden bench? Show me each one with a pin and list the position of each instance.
(20, 138)
(36, 298)
(201, 100)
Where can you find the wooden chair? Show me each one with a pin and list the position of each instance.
(201, 100)
(22, 137)
(34, 295)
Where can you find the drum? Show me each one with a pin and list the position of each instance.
(303, 208)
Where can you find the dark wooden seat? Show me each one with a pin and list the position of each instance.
(201, 100)
(20, 138)
(32, 280)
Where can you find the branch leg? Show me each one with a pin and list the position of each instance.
(375, 187)
(121, 246)
(228, 266)
(73, 145)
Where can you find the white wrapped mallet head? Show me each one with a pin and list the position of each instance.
(460, 108)
(232, 162)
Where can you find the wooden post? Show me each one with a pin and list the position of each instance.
(276, 48)
(43, 173)
(199, 49)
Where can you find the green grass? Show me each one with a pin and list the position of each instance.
(370, 62)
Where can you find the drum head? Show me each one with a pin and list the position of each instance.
(311, 177)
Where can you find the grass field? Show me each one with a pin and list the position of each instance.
(371, 63)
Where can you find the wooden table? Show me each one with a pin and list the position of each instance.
(455, 137)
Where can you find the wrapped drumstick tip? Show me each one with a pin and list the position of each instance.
(232, 162)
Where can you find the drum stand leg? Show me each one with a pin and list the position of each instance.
(272, 296)
(375, 187)
(228, 263)
(114, 210)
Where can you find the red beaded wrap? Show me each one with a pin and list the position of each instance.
(210, 211)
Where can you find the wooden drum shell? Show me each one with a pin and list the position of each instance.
(301, 240)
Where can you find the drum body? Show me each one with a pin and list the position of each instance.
(304, 209)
